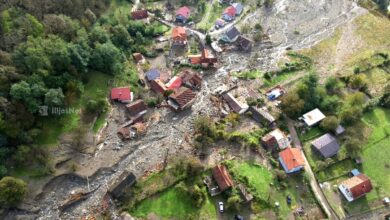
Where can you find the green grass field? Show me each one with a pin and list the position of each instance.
(174, 204)
(214, 12)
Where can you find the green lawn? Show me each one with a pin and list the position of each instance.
(336, 170)
(258, 177)
(174, 204)
(254, 74)
(215, 11)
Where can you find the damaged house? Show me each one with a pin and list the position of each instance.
(132, 132)
(234, 104)
(244, 44)
(136, 109)
(191, 79)
(222, 177)
(181, 99)
(262, 116)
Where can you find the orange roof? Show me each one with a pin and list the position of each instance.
(222, 177)
(292, 158)
(179, 33)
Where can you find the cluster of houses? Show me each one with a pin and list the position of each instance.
(229, 14)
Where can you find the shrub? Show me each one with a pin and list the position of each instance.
(12, 191)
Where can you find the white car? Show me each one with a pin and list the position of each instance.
(220, 206)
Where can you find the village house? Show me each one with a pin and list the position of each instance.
(137, 108)
(182, 14)
(139, 14)
(158, 86)
(234, 104)
(131, 132)
(262, 116)
(174, 83)
(219, 23)
(222, 177)
(229, 14)
(239, 8)
(181, 99)
(326, 145)
(179, 36)
(313, 117)
(139, 58)
(152, 74)
(191, 79)
(355, 187)
(231, 35)
(244, 44)
(291, 160)
(205, 59)
(121, 94)
(275, 140)
(275, 93)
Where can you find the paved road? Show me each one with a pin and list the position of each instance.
(313, 181)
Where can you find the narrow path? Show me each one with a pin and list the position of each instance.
(313, 181)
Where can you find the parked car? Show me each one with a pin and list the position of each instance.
(220, 206)
(288, 199)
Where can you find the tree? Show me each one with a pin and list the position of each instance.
(107, 58)
(353, 146)
(280, 175)
(330, 123)
(120, 37)
(208, 39)
(98, 35)
(351, 114)
(333, 85)
(12, 191)
(292, 105)
(54, 97)
(233, 202)
(358, 81)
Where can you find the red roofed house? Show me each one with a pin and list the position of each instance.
(137, 108)
(229, 13)
(355, 187)
(139, 58)
(174, 83)
(179, 36)
(158, 86)
(139, 14)
(181, 99)
(205, 59)
(291, 160)
(121, 94)
(191, 79)
(182, 14)
(222, 177)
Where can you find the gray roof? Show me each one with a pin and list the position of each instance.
(339, 130)
(326, 145)
(232, 33)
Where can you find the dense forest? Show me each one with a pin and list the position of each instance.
(48, 52)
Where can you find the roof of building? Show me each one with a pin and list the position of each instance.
(139, 128)
(231, 11)
(121, 94)
(152, 74)
(136, 107)
(313, 117)
(232, 33)
(222, 177)
(191, 78)
(239, 7)
(292, 158)
(220, 22)
(233, 103)
(264, 113)
(244, 43)
(183, 96)
(138, 57)
(123, 133)
(339, 130)
(179, 33)
(158, 86)
(327, 145)
(174, 83)
(358, 185)
(140, 14)
(183, 11)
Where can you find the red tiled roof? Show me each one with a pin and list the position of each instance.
(222, 177)
(121, 94)
(140, 14)
(183, 11)
(136, 107)
(183, 96)
(363, 186)
(138, 57)
(292, 158)
(179, 34)
(231, 11)
(174, 83)
(123, 133)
